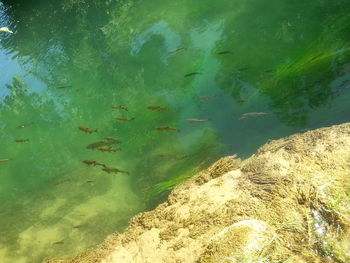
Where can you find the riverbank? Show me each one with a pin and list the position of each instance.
(289, 202)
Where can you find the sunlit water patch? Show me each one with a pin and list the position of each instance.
(107, 106)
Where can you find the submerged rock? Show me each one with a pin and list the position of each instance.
(289, 202)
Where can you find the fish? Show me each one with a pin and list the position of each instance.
(243, 69)
(224, 52)
(22, 140)
(241, 101)
(196, 120)
(253, 115)
(4, 160)
(5, 29)
(176, 50)
(24, 125)
(124, 119)
(63, 87)
(85, 129)
(157, 108)
(58, 242)
(207, 97)
(89, 181)
(167, 128)
(112, 139)
(193, 74)
(96, 145)
(345, 70)
(108, 149)
(162, 155)
(113, 170)
(118, 107)
(143, 190)
(268, 70)
(94, 163)
(78, 226)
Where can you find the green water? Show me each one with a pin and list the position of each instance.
(290, 59)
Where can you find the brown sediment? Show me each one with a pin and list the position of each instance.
(289, 202)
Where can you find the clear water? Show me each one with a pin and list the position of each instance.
(290, 59)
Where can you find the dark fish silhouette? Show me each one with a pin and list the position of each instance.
(241, 101)
(268, 70)
(85, 129)
(108, 149)
(118, 107)
(58, 242)
(96, 145)
(92, 162)
(78, 226)
(22, 140)
(253, 115)
(4, 160)
(113, 170)
(196, 120)
(157, 108)
(112, 139)
(224, 52)
(63, 87)
(193, 74)
(162, 155)
(207, 97)
(243, 69)
(176, 50)
(167, 128)
(124, 119)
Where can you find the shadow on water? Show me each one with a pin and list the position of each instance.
(200, 67)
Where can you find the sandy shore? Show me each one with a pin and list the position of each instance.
(289, 202)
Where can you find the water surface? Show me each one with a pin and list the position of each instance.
(68, 62)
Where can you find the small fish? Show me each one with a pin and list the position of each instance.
(196, 120)
(113, 170)
(162, 155)
(243, 69)
(176, 50)
(78, 226)
(85, 129)
(253, 115)
(24, 125)
(268, 70)
(61, 182)
(22, 140)
(5, 29)
(124, 119)
(63, 87)
(143, 190)
(167, 128)
(4, 160)
(58, 243)
(241, 101)
(207, 97)
(112, 139)
(118, 107)
(108, 149)
(96, 145)
(89, 181)
(157, 108)
(224, 52)
(193, 74)
(94, 163)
